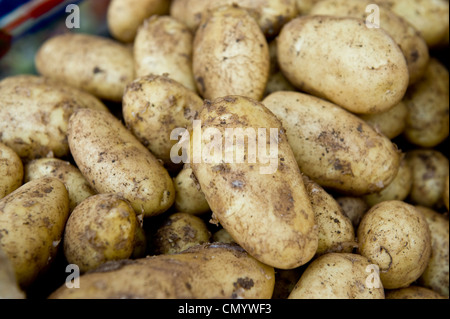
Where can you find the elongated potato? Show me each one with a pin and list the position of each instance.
(11, 170)
(189, 198)
(210, 271)
(113, 161)
(260, 200)
(163, 45)
(95, 64)
(340, 59)
(413, 292)
(333, 147)
(231, 55)
(32, 220)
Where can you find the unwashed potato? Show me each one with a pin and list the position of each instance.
(413, 292)
(34, 114)
(333, 147)
(179, 232)
(32, 220)
(98, 65)
(429, 172)
(396, 237)
(354, 208)
(210, 271)
(124, 17)
(11, 170)
(338, 58)
(260, 200)
(231, 55)
(9, 289)
(436, 275)
(154, 106)
(163, 45)
(77, 186)
(338, 276)
(427, 121)
(222, 236)
(413, 46)
(270, 15)
(189, 198)
(100, 229)
(113, 161)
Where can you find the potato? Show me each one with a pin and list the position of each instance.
(413, 292)
(77, 186)
(399, 189)
(124, 17)
(222, 236)
(396, 237)
(338, 276)
(34, 114)
(413, 46)
(11, 170)
(333, 147)
(427, 101)
(278, 82)
(360, 69)
(140, 240)
(210, 271)
(163, 45)
(429, 172)
(354, 208)
(436, 275)
(9, 289)
(113, 161)
(305, 6)
(270, 15)
(179, 232)
(231, 55)
(153, 106)
(32, 220)
(189, 198)
(336, 233)
(98, 65)
(100, 229)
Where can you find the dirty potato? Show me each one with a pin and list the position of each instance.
(413, 292)
(189, 198)
(11, 170)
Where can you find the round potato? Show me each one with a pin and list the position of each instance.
(113, 161)
(338, 276)
(396, 237)
(231, 55)
(354, 208)
(338, 58)
(333, 147)
(32, 220)
(98, 65)
(413, 292)
(11, 170)
(189, 198)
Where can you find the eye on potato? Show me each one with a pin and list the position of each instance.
(189, 198)
(11, 170)
(413, 292)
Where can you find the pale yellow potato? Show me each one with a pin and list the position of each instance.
(189, 198)
(354, 208)
(396, 237)
(9, 289)
(338, 276)
(124, 17)
(338, 58)
(98, 65)
(100, 229)
(270, 15)
(210, 271)
(413, 292)
(259, 199)
(34, 114)
(413, 46)
(11, 170)
(429, 170)
(77, 186)
(333, 147)
(427, 122)
(163, 45)
(153, 106)
(32, 220)
(436, 275)
(113, 161)
(230, 56)
(222, 236)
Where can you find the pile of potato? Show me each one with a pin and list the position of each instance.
(356, 207)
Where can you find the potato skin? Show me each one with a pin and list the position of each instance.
(187, 275)
(11, 170)
(95, 64)
(336, 276)
(189, 198)
(413, 292)
(333, 147)
(365, 77)
(100, 143)
(231, 55)
(32, 220)
(396, 237)
(240, 196)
